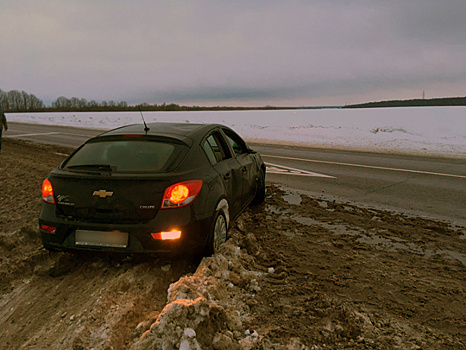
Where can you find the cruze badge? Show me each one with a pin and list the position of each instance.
(102, 193)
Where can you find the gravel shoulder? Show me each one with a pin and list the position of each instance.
(297, 273)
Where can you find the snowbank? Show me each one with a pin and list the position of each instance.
(207, 310)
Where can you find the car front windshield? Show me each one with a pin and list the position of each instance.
(124, 156)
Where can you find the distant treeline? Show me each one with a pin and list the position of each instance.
(449, 101)
(15, 100)
(21, 101)
(122, 106)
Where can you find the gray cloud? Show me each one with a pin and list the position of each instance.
(226, 51)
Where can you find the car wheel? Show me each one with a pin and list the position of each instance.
(260, 192)
(218, 234)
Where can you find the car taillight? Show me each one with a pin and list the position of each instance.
(173, 234)
(181, 194)
(47, 192)
(47, 228)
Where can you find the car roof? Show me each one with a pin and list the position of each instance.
(186, 132)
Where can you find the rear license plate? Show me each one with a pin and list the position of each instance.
(115, 239)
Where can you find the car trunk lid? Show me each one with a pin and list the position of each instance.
(108, 199)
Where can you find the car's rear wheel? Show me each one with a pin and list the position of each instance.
(218, 234)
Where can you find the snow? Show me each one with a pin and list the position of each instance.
(199, 304)
(429, 130)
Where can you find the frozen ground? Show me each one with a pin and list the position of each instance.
(297, 273)
(427, 130)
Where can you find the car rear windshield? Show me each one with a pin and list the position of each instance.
(125, 156)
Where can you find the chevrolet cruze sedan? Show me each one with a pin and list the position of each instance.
(166, 188)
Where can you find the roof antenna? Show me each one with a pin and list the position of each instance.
(146, 128)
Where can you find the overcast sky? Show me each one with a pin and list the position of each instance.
(218, 52)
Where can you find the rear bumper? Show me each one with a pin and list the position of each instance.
(194, 231)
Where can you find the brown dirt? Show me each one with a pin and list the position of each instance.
(298, 273)
(60, 300)
(358, 277)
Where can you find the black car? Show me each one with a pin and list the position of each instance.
(172, 187)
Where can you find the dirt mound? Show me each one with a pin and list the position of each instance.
(206, 310)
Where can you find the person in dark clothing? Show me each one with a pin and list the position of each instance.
(3, 124)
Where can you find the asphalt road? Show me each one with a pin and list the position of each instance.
(427, 186)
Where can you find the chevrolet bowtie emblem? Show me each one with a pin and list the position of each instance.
(102, 193)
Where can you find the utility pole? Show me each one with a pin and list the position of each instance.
(423, 94)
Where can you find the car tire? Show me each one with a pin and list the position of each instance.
(218, 233)
(260, 192)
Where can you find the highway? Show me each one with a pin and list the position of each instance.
(433, 187)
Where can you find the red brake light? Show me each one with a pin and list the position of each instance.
(47, 192)
(181, 194)
(48, 228)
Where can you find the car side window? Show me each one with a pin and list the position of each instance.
(215, 148)
(236, 143)
(209, 152)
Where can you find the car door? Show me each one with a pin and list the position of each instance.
(247, 166)
(228, 168)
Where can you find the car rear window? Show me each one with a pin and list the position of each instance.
(125, 156)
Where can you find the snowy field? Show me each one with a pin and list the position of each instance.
(425, 130)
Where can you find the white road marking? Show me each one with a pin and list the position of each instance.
(77, 135)
(38, 134)
(284, 170)
(366, 166)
